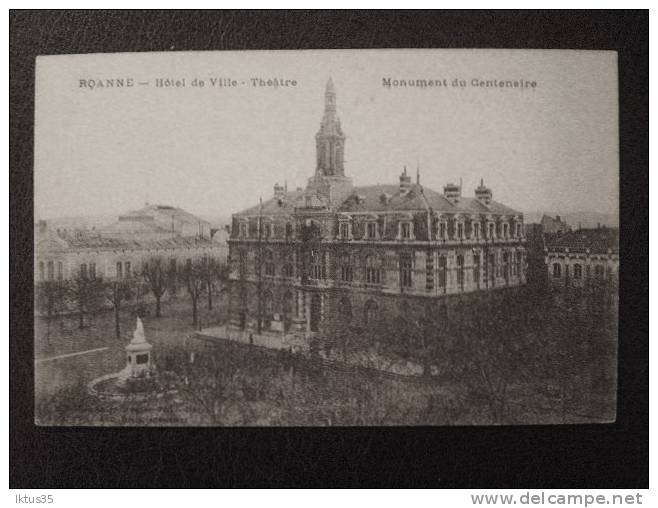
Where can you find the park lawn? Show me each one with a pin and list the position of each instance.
(99, 332)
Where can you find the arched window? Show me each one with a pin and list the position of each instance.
(442, 231)
(577, 271)
(476, 230)
(269, 263)
(599, 271)
(492, 268)
(460, 271)
(288, 306)
(346, 269)
(476, 269)
(268, 303)
(42, 270)
(51, 270)
(491, 231)
(318, 269)
(373, 270)
(460, 229)
(370, 312)
(244, 229)
(345, 308)
(405, 231)
(557, 270)
(371, 230)
(517, 263)
(506, 265)
(287, 269)
(242, 263)
(443, 269)
(316, 312)
(268, 307)
(344, 230)
(429, 270)
(406, 267)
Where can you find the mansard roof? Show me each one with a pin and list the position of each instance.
(474, 205)
(164, 212)
(103, 243)
(596, 240)
(384, 198)
(371, 199)
(377, 198)
(276, 206)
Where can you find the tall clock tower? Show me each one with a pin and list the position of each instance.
(329, 186)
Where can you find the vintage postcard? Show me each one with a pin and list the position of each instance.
(331, 237)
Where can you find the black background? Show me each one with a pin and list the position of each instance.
(586, 456)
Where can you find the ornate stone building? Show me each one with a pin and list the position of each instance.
(118, 251)
(585, 258)
(333, 250)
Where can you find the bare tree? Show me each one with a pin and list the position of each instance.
(192, 277)
(213, 271)
(50, 301)
(87, 294)
(158, 277)
(216, 384)
(117, 292)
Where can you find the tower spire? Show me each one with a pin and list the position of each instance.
(330, 140)
(330, 96)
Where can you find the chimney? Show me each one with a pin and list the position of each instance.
(483, 194)
(557, 218)
(279, 191)
(405, 182)
(452, 192)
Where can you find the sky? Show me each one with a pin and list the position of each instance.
(215, 150)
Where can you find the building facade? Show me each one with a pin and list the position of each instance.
(63, 255)
(583, 258)
(336, 251)
(156, 222)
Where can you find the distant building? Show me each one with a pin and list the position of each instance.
(333, 250)
(554, 225)
(155, 222)
(582, 258)
(119, 251)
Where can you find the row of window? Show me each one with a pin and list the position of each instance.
(373, 268)
(88, 270)
(599, 271)
(370, 311)
(47, 270)
(405, 230)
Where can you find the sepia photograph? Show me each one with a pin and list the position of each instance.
(393, 237)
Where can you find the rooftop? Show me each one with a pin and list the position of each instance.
(95, 242)
(383, 197)
(596, 240)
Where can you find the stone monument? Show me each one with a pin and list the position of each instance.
(139, 362)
